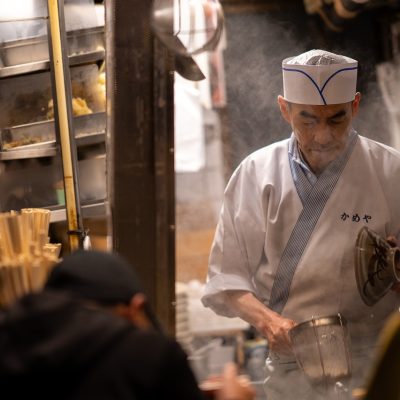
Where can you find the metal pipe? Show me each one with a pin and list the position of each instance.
(62, 98)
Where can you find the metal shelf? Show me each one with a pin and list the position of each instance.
(89, 139)
(48, 149)
(77, 59)
(20, 154)
(97, 209)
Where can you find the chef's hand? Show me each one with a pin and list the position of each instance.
(276, 329)
(235, 387)
(394, 242)
(270, 324)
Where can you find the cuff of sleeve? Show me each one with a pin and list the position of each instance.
(215, 296)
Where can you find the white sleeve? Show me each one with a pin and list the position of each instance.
(239, 240)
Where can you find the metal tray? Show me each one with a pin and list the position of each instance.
(44, 131)
(49, 149)
(33, 50)
(44, 65)
(89, 210)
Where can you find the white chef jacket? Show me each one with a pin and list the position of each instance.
(260, 211)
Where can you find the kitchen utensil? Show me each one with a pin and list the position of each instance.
(322, 349)
(375, 265)
(188, 68)
(26, 257)
(185, 65)
(197, 23)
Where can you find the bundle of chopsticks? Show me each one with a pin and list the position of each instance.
(26, 256)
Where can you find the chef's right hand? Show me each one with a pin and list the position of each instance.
(276, 329)
(267, 322)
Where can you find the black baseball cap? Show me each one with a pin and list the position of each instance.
(103, 277)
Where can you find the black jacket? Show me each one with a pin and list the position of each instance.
(53, 346)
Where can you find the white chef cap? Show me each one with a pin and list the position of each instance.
(319, 77)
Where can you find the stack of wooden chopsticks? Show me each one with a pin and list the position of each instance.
(26, 256)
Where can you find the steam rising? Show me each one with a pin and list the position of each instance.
(257, 44)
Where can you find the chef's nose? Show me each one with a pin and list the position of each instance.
(323, 134)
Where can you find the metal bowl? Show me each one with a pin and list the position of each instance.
(322, 349)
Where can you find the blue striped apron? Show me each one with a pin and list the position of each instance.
(314, 198)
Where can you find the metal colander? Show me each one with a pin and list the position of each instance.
(322, 349)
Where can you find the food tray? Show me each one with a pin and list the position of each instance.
(21, 136)
(33, 50)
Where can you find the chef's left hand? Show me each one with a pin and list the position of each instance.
(394, 242)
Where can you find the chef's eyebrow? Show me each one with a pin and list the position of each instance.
(339, 114)
(306, 114)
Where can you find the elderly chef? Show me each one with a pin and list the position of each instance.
(284, 246)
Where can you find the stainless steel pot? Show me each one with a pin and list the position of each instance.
(322, 349)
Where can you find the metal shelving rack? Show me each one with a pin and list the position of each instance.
(51, 148)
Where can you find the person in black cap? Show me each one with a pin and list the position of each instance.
(89, 334)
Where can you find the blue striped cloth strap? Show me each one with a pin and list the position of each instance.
(302, 184)
(314, 200)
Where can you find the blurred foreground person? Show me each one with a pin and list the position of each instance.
(90, 334)
(383, 382)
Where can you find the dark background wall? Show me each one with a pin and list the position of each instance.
(257, 42)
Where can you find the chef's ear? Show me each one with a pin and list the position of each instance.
(285, 109)
(355, 105)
